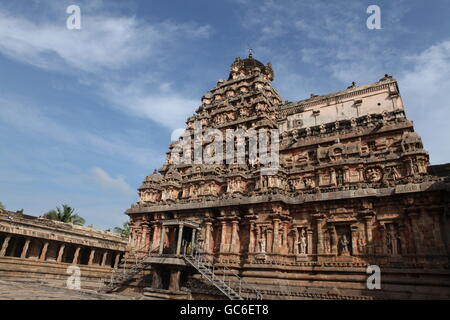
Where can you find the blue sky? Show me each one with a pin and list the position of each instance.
(86, 114)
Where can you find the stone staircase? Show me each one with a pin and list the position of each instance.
(131, 266)
(229, 283)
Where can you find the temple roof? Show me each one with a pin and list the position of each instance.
(248, 65)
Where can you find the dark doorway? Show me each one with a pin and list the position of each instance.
(69, 253)
(84, 255)
(186, 240)
(18, 247)
(2, 239)
(165, 278)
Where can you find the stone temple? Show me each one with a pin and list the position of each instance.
(353, 189)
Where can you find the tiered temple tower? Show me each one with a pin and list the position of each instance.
(351, 189)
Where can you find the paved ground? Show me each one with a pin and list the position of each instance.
(20, 290)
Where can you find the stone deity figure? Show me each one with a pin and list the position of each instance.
(327, 244)
(395, 174)
(262, 245)
(344, 244)
(302, 242)
(361, 243)
(392, 240)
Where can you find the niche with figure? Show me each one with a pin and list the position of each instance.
(344, 240)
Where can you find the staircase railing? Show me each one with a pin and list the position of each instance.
(120, 277)
(229, 282)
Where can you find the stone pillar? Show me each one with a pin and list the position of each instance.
(320, 173)
(44, 251)
(334, 241)
(383, 232)
(180, 236)
(208, 237)
(117, 260)
(354, 230)
(161, 240)
(61, 252)
(296, 241)
(309, 235)
(251, 241)
(76, 255)
(174, 284)
(146, 237)
(439, 240)
(223, 233)
(193, 236)
(369, 237)
(319, 235)
(234, 236)
(269, 240)
(5, 246)
(138, 245)
(156, 279)
(414, 216)
(105, 256)
(402, 238)
(259, 235)
(346, 175)
(23, 255)
(155, 242)
(91, 257)
(285, 236)
(361, 173)
(332, 177)
(275, 241)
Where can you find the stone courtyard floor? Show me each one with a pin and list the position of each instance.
(27, 290)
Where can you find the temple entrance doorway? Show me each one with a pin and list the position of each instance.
(186, 240)
(178, 236)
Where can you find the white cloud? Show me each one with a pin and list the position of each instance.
(103, 42)
(101, 177)
(425, 90)
(107, 43)
(163, 106)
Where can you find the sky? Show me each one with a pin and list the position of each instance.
(86, 114)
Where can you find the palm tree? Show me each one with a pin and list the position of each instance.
(66, 214)
(124, 230)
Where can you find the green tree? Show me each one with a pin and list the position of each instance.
(2, 207)
(124, 230)
(65, 214)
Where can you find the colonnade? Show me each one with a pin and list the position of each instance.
(12, 245)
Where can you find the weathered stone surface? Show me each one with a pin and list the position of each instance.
(15, 289)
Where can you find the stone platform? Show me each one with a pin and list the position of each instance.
(16, 289)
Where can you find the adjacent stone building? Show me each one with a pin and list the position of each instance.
(42, 249)
(352, 189)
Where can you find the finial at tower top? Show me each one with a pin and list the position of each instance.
(250, 53)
